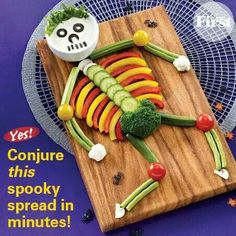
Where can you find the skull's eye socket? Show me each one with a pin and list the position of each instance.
(78, 27)
(61, 33)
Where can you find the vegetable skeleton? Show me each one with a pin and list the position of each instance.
(120, 97)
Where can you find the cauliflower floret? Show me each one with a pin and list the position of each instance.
(182, 63)
(119, 212)
(97, 152)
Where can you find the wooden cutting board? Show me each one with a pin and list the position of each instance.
(184, 151)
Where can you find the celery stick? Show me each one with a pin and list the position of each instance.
(112, 48)
(163, 50)
(143, 194)
(158, 53)
(76, 136)
(143, 148)
(136, 192)
(175, 120)
(70, 85)
(220, 148)
(214, 150)
(81, 133)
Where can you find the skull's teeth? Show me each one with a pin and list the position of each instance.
(76, 46)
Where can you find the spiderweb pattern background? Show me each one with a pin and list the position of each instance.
(214, 62)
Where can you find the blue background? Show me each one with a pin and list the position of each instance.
(18, 19)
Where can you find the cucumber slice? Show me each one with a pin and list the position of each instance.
(99, 76)
(119, 96)
(91, 71)
(113, 89)
(129, 104)
(106, 83)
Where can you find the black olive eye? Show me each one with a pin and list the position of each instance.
(61, 33)
(78, 27)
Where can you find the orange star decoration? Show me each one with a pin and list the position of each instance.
(229, 135)
(219, 106)
(232, 202)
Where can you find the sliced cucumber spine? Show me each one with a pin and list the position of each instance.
(99, 76)
(106, 83)
(92, 70)
(119, 96)
(113, 89)
(129, 104)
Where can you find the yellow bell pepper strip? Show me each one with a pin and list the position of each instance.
(135, 71)
(92, 108)
(149, 96)
(112, 128)
(141, 84)
(103, 117)
(125, 62)
(80, 100)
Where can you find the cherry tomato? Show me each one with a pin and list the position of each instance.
(65, 112)
(141, 38)
(205, 122)
(156, 171)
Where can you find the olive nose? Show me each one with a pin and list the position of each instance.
(72, 36)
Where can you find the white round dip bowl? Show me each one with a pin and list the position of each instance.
(74, 39)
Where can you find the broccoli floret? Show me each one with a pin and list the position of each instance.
(147, 103)
(141, 122)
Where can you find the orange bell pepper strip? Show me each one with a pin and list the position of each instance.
(136, 78)
(145, 90)
(77, 90)
(115, 57)
(98, 112)
(88, 101)
(81, 98)
(119, 134)
(157, 102)
(122, 69)
(109, 118)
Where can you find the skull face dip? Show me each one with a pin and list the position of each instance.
(72, 33)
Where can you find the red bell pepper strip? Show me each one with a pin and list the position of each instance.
(109, 117)
(98, 112)
(136, 78)
(145, 90)
(157, 102)
(77, 90)
(115, 57)
(88, 101)
(119, 134)
(122, 69)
